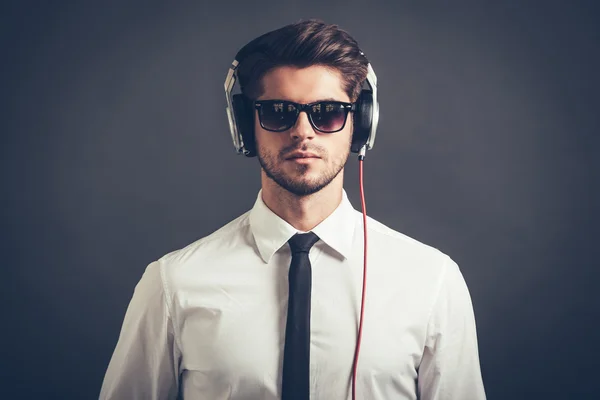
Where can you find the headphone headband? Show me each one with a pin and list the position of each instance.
(230, 80)
(372, 82)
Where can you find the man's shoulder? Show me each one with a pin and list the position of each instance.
(401, 244)
(229, 235)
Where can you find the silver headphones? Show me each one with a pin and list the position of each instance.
(241, 117)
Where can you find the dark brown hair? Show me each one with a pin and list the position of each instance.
(302, 44)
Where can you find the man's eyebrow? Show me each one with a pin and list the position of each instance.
(327, 99)
(312, 102)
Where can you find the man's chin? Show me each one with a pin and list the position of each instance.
(300, 185)
(302, 190)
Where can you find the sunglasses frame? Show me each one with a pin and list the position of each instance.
(348, 107)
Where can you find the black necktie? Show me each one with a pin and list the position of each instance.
(296, 354)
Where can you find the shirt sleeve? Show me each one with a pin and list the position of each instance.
(145, 362)
(449, 368)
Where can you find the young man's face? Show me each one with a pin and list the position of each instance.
(277, 150)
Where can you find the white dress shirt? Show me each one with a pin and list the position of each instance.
(208, 321)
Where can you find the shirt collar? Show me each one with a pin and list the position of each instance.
(271, 232)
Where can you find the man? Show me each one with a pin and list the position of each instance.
(268, 306)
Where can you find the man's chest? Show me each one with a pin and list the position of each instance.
(232, 329)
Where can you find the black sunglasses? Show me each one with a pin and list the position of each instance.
(324, 116)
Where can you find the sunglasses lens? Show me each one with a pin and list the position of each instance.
(277, 116)
(328, 117)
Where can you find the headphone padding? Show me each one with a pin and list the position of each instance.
(244, 118)
(363, 119)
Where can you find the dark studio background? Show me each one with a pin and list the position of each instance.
(115, 150)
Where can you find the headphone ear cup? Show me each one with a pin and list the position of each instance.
(363, 120)
(244, 119)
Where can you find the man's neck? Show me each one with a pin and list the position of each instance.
(304, 212)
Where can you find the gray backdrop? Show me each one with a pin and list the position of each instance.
(115, 150)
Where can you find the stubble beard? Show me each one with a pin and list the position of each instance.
(272, 165)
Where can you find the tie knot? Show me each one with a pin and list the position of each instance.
(302, 242)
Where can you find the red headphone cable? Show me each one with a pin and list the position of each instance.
(361, 158)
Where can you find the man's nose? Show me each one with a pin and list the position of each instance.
(302, 129)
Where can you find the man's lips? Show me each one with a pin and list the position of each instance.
(301, 154)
